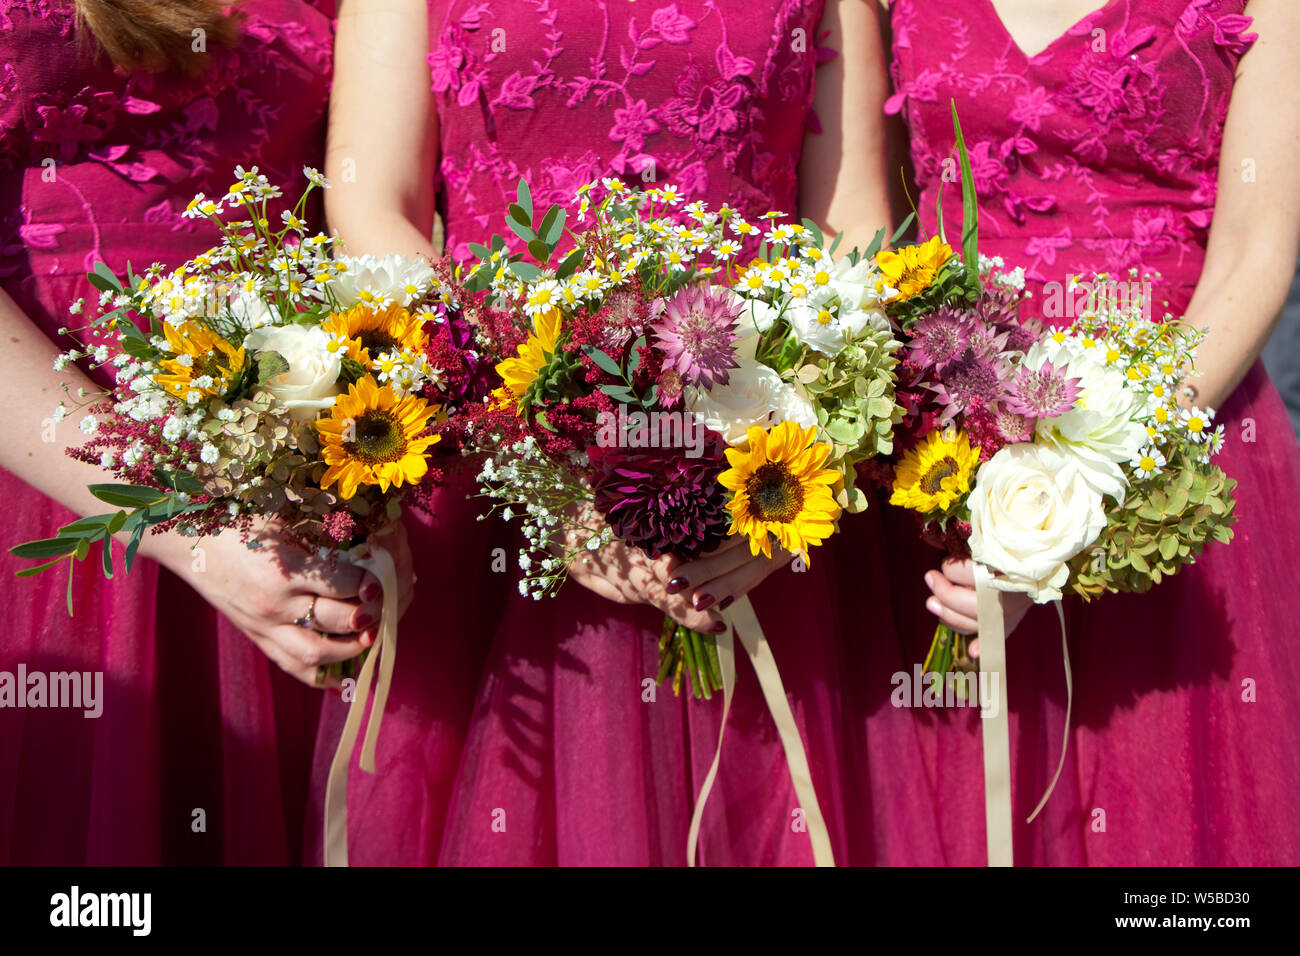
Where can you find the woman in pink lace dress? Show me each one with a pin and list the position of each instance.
(565, 758)
(1112, 147)
(200, 752)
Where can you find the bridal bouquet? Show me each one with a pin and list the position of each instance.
(663, 390)
(1060, 460)
(270, 377)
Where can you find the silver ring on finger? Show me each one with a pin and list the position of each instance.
(308, 621)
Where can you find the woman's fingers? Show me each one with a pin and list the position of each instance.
(721, 591)
(282, 659)
(296, 654)
(695, 575)
(335, 579)
(958, 622)
(339, 617)
(680, 610)
(312, 649)
(954, 604)
(959, 572)
(955, 597)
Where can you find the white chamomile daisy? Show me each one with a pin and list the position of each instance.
(1148, 462)
(1197, 423)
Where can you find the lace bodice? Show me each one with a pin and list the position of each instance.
(713, 96)
(98, 164)
(1099, 154)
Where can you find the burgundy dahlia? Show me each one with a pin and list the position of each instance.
(659, 499)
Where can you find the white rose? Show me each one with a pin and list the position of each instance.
(1100, 429)
(753, 395)
(1031, 511)
(310, 384)
(392, 278)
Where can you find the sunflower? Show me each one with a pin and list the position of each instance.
(369, 332)
(780, 488)
(519, 373)
(205, 362)
(372, 437)
(935, 473)
(912, 269)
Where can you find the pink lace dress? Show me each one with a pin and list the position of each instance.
(564, 761)
(96, 165)
(1099, 155)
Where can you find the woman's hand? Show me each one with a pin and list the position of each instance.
(953, 598)
(626, 575)
(269, 590)
(716, 579)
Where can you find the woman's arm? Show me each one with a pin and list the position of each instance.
(382, 154)
(843, 174)
(1254, 239)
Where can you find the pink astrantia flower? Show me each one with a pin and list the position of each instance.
(1044, 392)
(970, 377)
(696, 329)
(939, 339)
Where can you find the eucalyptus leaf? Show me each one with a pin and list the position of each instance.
(526, 271)
(524, 198)
(127, 496)
(602, 360)
(46, 547)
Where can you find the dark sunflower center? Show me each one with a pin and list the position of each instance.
(379, 438)
(774, 493)
(377, 340)
(932, 480)
(209, 365)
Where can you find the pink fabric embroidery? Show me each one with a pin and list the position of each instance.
(1101, 130)
(689, 93)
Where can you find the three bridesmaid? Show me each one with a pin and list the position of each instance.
(518, 732)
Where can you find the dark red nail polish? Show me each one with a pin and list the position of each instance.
(371, 591)
(719, 627)
(677, 584)
(703, 602)
(363, 621)
(726, 602)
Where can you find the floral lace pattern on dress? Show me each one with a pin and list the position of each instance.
(1095, 153)
(94, 160)
(713, 97)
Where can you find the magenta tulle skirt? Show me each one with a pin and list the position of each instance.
(464, 568)
(201, 751)
(574, 757)
(523, 732)
(1181, 749)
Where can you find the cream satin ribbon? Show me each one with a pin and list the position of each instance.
(375, 559)
(743, 622)
(996, 729)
